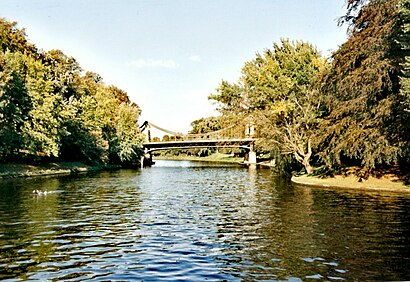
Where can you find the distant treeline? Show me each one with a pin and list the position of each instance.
(352, 109)
(51, 110)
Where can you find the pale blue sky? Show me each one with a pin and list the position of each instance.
(169, 55)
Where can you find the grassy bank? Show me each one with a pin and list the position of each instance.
(217, 157)
(24, 170)
(390, 183)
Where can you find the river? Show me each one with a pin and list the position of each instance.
(191, 221)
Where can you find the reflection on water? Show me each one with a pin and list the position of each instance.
(198, 221)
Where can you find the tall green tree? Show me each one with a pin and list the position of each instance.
(126, 143)
(278, 93)
(48, 107)
(104, 124)
(403, 39)
(365, 122)
(14, 104)
(42, 123)
(65, 71)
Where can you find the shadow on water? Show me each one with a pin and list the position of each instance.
(198, 221)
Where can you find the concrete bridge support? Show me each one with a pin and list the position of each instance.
(252, 157)
(146, 159)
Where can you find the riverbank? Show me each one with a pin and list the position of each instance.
(217, 157)
(387, 183)
(24, 170)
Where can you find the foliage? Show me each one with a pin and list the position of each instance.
(14, 39)
(127, 135)
(277, 93)
(353, 110)
(403, 39)
(49, 108)
(14, 104)
(365, 121)
(205, 125)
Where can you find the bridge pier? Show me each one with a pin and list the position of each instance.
(252, 157)
(146, 159)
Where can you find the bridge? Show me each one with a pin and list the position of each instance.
(234, 136)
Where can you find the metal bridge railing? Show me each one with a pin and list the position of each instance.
(232, 132)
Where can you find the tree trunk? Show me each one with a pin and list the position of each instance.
(308, 167)
(306, 164)
(303, 157)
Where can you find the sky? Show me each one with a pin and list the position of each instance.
(170, 55)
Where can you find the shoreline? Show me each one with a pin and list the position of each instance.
(383, 184)
(12, 171)
(338, 182)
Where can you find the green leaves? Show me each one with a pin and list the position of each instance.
(355, 110)
(278, 89)
(14, 39)
(49, 109)
(14, 104)
(40, 128)
(366, 121)
(127, 137)
(205, 125)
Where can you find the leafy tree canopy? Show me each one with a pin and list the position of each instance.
(49, 108)
(277, 92)
(14, 39)
(365, 121)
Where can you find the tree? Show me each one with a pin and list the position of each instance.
(65, 72)
(228, 98)
(14, 39)
(30, 107)
(364, 121)
(49, 108)
(120, 95)
(277, 90)
(14, 104)
(205, 125)
(403, 39)
(127, 142)
(104, 125)
(83, 140)
(42, 123)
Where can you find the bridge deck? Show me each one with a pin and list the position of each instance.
(199, 143)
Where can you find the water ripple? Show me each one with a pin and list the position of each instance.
(198, 222)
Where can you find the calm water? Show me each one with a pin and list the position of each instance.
(194, 222)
